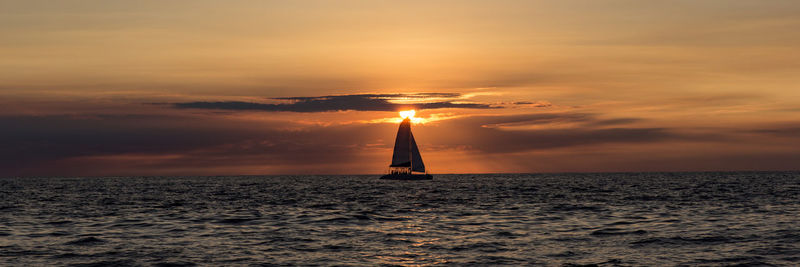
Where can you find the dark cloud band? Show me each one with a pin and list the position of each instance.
(189, 144)
(360, 102)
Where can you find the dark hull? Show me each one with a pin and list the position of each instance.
(407, 177)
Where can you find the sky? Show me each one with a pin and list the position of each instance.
(94, 88)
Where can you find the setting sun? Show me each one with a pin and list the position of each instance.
(407, 114)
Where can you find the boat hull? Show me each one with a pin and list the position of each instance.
(398, 176)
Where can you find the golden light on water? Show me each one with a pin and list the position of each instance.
(407, 114)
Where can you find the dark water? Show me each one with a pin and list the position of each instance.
(544, 219)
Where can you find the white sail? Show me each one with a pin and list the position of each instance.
(416, 158)
(402, 150)
(406, 153)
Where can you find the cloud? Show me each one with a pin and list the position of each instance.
(211, 144)
(790, 131)
(539, 104)
(138, 145)
(542, 131)
(357, 102)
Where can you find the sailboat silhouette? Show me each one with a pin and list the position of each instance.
(406, 161)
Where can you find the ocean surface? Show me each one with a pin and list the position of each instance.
(606, 219)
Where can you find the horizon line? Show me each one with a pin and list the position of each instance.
(378, 174)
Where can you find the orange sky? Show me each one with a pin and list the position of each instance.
(190, 87)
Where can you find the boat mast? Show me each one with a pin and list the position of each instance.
(410, 150)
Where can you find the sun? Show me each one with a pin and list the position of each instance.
(407, 114)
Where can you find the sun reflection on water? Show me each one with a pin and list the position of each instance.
(417, 250)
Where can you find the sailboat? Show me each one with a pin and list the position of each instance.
(406, 161)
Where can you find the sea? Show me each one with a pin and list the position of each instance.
(570, 219)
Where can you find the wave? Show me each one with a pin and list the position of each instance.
(86, 241)
(616, 231)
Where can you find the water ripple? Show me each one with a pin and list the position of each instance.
(624, 219)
